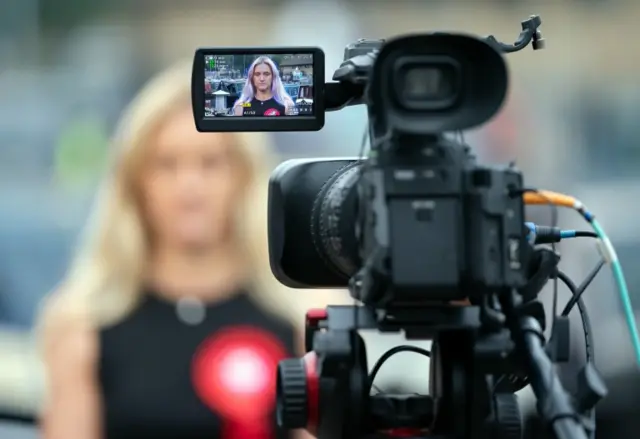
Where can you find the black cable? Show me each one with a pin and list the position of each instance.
(586, 325)
(585, 234)
(390, 353)
(583, 287)
(550, 235)
(554, 224)
(582, 309)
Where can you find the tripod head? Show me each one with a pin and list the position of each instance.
(482, 354)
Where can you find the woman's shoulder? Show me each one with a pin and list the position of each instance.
(67, 333)
(72, 343)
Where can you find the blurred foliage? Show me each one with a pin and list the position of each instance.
(65, 14)
(81, 152)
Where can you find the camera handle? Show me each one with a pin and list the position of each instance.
(352, 76)
(529, 34)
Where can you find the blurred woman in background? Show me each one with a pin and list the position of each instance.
(170, 323)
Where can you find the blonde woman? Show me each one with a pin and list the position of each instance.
(170, 323)
(263, 93)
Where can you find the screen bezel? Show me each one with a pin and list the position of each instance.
(284, 123)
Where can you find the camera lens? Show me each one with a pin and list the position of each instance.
(428, 84)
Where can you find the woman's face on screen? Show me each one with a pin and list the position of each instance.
(262, 77)
(190, 184)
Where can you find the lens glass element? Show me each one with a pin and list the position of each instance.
(434, 83)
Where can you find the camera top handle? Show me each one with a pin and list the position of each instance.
(352, 75)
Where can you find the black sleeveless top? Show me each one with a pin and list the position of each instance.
(166, 378)
(270, 107)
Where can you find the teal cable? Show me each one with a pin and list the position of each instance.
(621, 283)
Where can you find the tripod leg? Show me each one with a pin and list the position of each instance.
(451, 355)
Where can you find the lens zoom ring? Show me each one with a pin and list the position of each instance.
(292, 394)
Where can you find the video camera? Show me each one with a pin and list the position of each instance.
(428, 241)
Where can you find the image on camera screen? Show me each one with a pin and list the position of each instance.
(258, 85)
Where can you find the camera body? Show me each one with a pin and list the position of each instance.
(425, 220)
(426, 199)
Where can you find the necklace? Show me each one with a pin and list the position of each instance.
(191, 311)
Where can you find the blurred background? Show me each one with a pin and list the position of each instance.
(68, 67)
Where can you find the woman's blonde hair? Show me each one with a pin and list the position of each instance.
(104, 283)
